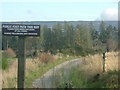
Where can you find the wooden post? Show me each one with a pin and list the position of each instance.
(103, 62)
(21, 62)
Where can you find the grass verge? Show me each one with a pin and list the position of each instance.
(79, 80)
(34, 69)
(43, 69)
(90, 73)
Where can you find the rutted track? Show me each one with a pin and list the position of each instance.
(56, 75)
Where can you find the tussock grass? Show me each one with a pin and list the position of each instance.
(9, 76)
(43, 69)
(34, 69)
(93, 64)
(89, 73)
(46, 58)
(11, 73)
(112, 61)
(92, 70)
(89, 67)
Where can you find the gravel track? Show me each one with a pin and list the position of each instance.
(58, 74)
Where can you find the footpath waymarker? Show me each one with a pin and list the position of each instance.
(21, 30)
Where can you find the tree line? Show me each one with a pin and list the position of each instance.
(68, 39)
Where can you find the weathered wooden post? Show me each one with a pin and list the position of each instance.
(21, 62)
(21, 30)
(104, 61)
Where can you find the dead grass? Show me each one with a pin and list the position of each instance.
(46, 58)
(9, 79)
(9, 76)
(9, 53)
(92, 65)
(112, 61)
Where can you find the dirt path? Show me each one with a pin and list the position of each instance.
(58, 74)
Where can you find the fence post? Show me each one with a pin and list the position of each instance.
(104, 62)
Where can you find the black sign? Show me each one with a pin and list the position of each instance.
(20, 30)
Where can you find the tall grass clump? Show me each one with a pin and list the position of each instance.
(46, 58)
(90, 73)
(5, 62)
(6, 55)
(35, 68)
(78, 79)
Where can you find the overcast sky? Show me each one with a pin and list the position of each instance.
(59, 10)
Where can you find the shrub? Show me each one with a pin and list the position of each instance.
(46, 58)
(68, 51)
(9, 53)
(90, 51)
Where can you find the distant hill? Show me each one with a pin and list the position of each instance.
(51, 23)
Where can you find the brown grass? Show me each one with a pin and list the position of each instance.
(9, 53)
(46, 58)
(9, 76)
(9, 79)
(112, 61)
(92, 65)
